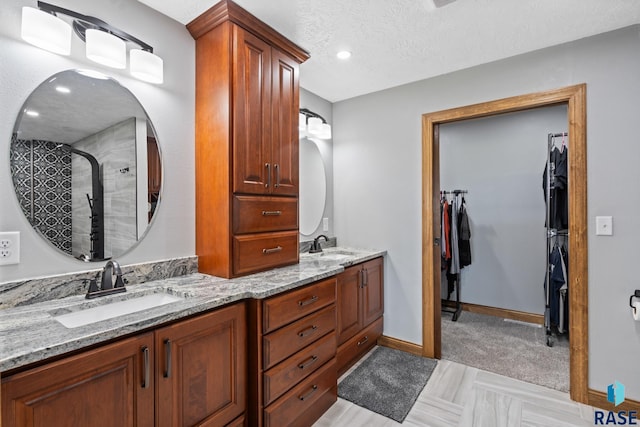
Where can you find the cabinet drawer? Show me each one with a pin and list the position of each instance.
(256, 252)
(261, 214)
(282, 343)
(351, 351)
(305, 402)
(285, 375)
(283, 309)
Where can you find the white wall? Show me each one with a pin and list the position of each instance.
(377, 172)
(499, 160)
(170, 107)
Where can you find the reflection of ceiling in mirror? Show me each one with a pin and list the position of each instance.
(91, 106)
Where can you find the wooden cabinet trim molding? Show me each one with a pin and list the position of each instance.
(227, 10)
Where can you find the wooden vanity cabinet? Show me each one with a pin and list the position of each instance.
(110, 386)
(201, 369)
(247, 105)
(190, 373)
(360, 306)
(293, 377)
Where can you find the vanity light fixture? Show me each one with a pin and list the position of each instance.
(105, 44)
(313, 124)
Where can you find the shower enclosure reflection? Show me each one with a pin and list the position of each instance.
(96, 205)
(86, 166)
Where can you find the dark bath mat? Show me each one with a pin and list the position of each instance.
(387, 382)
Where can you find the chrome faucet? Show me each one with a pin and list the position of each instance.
(107, 287)
(315, 246)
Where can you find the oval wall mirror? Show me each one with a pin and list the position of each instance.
(313, 186)
(86, 165)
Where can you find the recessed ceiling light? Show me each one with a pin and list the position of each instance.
(63, 89)
(32, 113)
(344, 54)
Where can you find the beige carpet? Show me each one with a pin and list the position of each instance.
(513, 349)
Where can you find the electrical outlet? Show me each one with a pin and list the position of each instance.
(325, 224)
(9, 247)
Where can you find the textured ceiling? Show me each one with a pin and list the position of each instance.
(401, 41)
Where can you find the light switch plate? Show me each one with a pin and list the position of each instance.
(325, 224)
(604, 226)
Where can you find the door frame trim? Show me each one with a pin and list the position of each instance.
(575, 99)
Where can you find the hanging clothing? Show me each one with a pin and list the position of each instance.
(558, 193)
(464, 236)
(558, 290)
(445, 233)
(454, 267)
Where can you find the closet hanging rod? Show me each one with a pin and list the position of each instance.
(557, 135)
(454, 192)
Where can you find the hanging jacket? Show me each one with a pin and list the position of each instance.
(558, 192)
(464, 236)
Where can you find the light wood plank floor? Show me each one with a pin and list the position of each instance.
(459, 395)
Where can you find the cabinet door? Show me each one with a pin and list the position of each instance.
(110, 386)
(201, 369)
(284, 131)
(252, 166)
(349, 306)
(372, 290)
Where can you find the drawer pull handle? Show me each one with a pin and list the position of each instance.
(167, 349)
(364, 340)
(310, 361)
(145, 354)
(271, 213)
(307, 331)
(272, 250)
(314, 388)
(308, 301)
(364, 277)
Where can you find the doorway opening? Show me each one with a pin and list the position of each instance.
(574, 97)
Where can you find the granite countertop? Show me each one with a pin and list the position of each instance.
(30, 334)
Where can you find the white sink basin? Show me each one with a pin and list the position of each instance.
(115, 309)
(334, 256)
